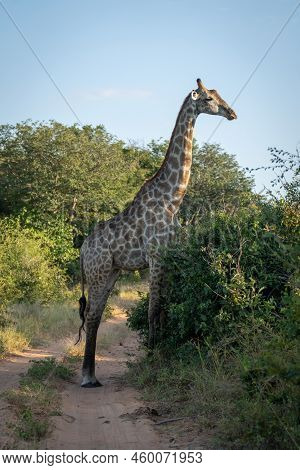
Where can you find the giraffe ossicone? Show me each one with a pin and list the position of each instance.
(132, 239)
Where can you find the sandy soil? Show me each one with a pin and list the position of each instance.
(100, 418)
(109, 417)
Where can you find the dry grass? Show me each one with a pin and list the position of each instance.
(36, 324)
(128, 294)
(111, 333)
(40, 323)
(72, 350)
(113, 330)
(12, 341)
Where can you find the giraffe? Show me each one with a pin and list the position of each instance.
(132, 239)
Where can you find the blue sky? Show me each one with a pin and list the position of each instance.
(129, 64)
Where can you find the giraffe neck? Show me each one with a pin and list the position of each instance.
(174, 174)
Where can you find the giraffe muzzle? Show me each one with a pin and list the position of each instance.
(231, 115)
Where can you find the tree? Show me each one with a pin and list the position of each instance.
(217, 183)
(66, 173)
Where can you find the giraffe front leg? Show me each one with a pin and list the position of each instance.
(156, 275)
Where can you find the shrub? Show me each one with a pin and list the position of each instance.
(27, 270)
(234, 267)
(57, 234)
(266, 414)
(138, 317)
(246, 396)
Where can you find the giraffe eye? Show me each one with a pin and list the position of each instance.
(208, 99)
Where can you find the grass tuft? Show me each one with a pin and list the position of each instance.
(48, 368)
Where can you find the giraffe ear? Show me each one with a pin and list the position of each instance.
(194, 95)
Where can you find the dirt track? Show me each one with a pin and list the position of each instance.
(108, 417)
(100, 418)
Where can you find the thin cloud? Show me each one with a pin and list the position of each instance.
(113, 93)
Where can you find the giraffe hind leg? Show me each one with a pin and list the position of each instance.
(98, 295)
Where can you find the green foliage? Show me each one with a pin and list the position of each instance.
(28, 272)
(138, 317)
(217, 183)
(266, 414)
(57, 235)
(235, 267)
(68, 174)
(247, 397)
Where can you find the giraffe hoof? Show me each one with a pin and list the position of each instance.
(91, 384)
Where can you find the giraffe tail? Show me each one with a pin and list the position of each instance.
(82, 302)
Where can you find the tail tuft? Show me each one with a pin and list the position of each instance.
(82, 306)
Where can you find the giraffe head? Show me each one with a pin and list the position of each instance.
(210, 102)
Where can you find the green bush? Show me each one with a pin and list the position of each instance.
(138, 317)
(247, 396)
(62, 173)
(266, 413)
(28, 272)
(57, 234)
(234, 267)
